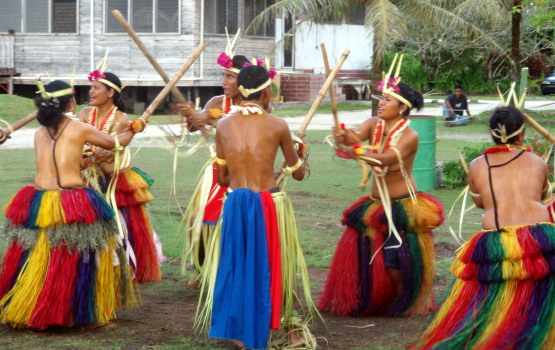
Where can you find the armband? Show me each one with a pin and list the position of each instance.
(220, 161)
(215, 113)
(475, 195)
(358, 150)
(87, 153)
(290, 169)
(137, 125)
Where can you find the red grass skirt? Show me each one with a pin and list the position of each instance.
(357, 288)
(132, 194)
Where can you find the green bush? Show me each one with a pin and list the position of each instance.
(412, 72)
(454, 175)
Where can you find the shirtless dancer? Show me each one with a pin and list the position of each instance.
(64, 265)
(132, 185)
(250, 279)
(384, 264)
(502, 297)
(202, 213)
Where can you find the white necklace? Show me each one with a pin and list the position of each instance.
(247, 108)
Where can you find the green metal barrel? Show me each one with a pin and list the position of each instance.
(424, 169)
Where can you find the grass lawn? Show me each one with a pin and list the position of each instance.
(318, 200)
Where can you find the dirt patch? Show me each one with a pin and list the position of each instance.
(165, 321)
(446, 250)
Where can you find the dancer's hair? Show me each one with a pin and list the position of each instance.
(112, 78)
(413, 96)
(51, 111)
(510, 118)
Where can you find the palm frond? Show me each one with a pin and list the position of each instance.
(388, 26)
(442, 19)
(304, 10)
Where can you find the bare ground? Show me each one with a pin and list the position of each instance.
(165, 321)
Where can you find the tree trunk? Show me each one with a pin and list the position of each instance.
(515, 37)
(377, 70)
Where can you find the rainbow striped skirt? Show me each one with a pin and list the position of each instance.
(504, 293)
(65, 264)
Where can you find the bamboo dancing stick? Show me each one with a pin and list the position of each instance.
(166, 90)
(5, 132)
(175, 91)
(538, 127)
(315, 104)
(331, 90)
(322, 94)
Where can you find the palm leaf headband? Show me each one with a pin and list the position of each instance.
(98, 73)
(271, 72)
(501, 132)
(226, 58)
(54, 94)
(389, 84)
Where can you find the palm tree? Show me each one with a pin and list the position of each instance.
(387, 19)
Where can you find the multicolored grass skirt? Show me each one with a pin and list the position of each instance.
(259, 263)
(504, 294)
(357, 288)
(132, 194)
(65, 264)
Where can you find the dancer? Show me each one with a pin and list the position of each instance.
(502, 296)
(132, 185)
(205, 206)
(65, 264)
(255, 247)
(384, 262)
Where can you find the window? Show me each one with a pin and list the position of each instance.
(219, 14)
(38, 16)
(145, 16)
(235, 14)
(252, 9)
(288, 41)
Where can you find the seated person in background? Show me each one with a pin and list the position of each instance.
(454, 107)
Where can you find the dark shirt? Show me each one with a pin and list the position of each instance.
(459, 105)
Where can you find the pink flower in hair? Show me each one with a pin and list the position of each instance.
(96, 74)
(246, 64)
(391, 83)
(259, 63)
(272, 73)
(225, 61)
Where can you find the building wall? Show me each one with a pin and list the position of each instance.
(309, 62)
(57, 54)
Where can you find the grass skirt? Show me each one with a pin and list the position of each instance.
(200, 218)
(65, 264)
(357, 287)
(253, 269)
(504, 293)
(132, 194)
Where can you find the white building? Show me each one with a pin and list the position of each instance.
(54, 36)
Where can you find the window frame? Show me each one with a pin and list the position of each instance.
(241, 22)
(245, 25)
(129, 18)
(23, 15)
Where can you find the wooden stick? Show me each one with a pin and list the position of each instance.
(322, 94)
(165, 91)
(332, 92)
(175, 91)
(315, 104)
(539, 128)
(17, 125)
